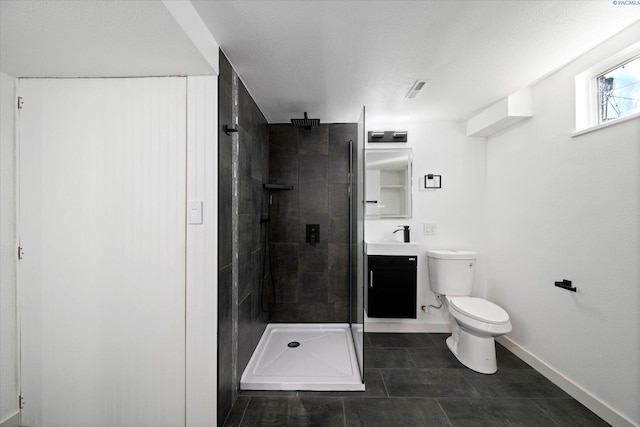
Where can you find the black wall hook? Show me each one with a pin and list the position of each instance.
(229, 130)
(566, 284)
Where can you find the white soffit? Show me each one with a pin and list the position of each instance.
(502, 114)
(94, 39)
(331, 57)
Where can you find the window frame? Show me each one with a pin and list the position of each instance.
(586, 92)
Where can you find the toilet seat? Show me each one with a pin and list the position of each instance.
(480, 309)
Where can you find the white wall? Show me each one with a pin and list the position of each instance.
(458, 208)
(569, 208)
(8, 316)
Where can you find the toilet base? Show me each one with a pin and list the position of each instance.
(474, 352)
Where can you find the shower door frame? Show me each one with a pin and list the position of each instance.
(356, 242)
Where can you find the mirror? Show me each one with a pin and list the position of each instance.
(388, 183)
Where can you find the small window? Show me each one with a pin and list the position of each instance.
(619, 91)
(608, 92)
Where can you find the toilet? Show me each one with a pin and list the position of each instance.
(475, 322)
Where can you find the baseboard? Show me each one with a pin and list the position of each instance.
(11, 421)
(594, 404)
(394, 327)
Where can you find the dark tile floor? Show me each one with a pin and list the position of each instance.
(414, 380)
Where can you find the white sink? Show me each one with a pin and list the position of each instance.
(391, 248)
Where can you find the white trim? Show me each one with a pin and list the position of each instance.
(606, 125)
(586, 93)
(583, 396)
(11, 420)
(202, 253)
(396, 327)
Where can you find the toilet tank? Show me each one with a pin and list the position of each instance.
(451, 272)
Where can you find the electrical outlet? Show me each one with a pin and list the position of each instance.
(429, 229)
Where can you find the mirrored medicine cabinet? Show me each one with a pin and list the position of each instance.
(388, 183)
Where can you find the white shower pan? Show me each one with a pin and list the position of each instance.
(324, 360)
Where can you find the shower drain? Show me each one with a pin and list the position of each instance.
(293, 344)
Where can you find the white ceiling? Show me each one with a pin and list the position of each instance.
(79, 38)
(325, 57)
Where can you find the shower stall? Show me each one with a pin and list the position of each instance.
(312, 262)
(269, 275)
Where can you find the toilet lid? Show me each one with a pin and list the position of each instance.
(480, 309)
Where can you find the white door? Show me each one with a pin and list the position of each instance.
(102, 225)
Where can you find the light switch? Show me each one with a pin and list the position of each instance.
(194, 212)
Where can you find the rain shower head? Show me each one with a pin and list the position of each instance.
(306, 123)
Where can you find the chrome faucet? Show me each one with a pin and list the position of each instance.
(406, 229)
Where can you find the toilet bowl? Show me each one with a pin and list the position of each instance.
(475, 322)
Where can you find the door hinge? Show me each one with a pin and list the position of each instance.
(20, 252)
(21, 402)
(19, 103)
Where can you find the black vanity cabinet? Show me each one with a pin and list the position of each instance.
(392, 286)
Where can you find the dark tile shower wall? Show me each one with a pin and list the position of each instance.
(225, 243)
(312, 282)
(240, 318)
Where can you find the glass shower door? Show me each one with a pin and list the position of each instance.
(356, 238)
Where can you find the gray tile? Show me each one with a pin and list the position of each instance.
(337, 312)
(338, 277)
(508, 360)
(339, 136)
(513, 383)
(257, 261)
(272, 393)
(494, 413)
(312, 168)
(393, 412)
(338, 230)
(433, 358)
(374, 387)
(439, 340)
(237, 412)
(245, 339)
(245, 189)
(225, 215)
(312, 259)
(314, 197)
(314, 141)
(260, 206)
(294, 411)
(427, 383)
(283, 168)
(284, 226)
(313, 287)
(387, 358)
(283, 139)
(284, 261)
(399, 340)
(245, 239)
(373, 384)
(367, 340)
(245, 110)
(569, 413)
(284, 312)
(339, 213)
(419, 396)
